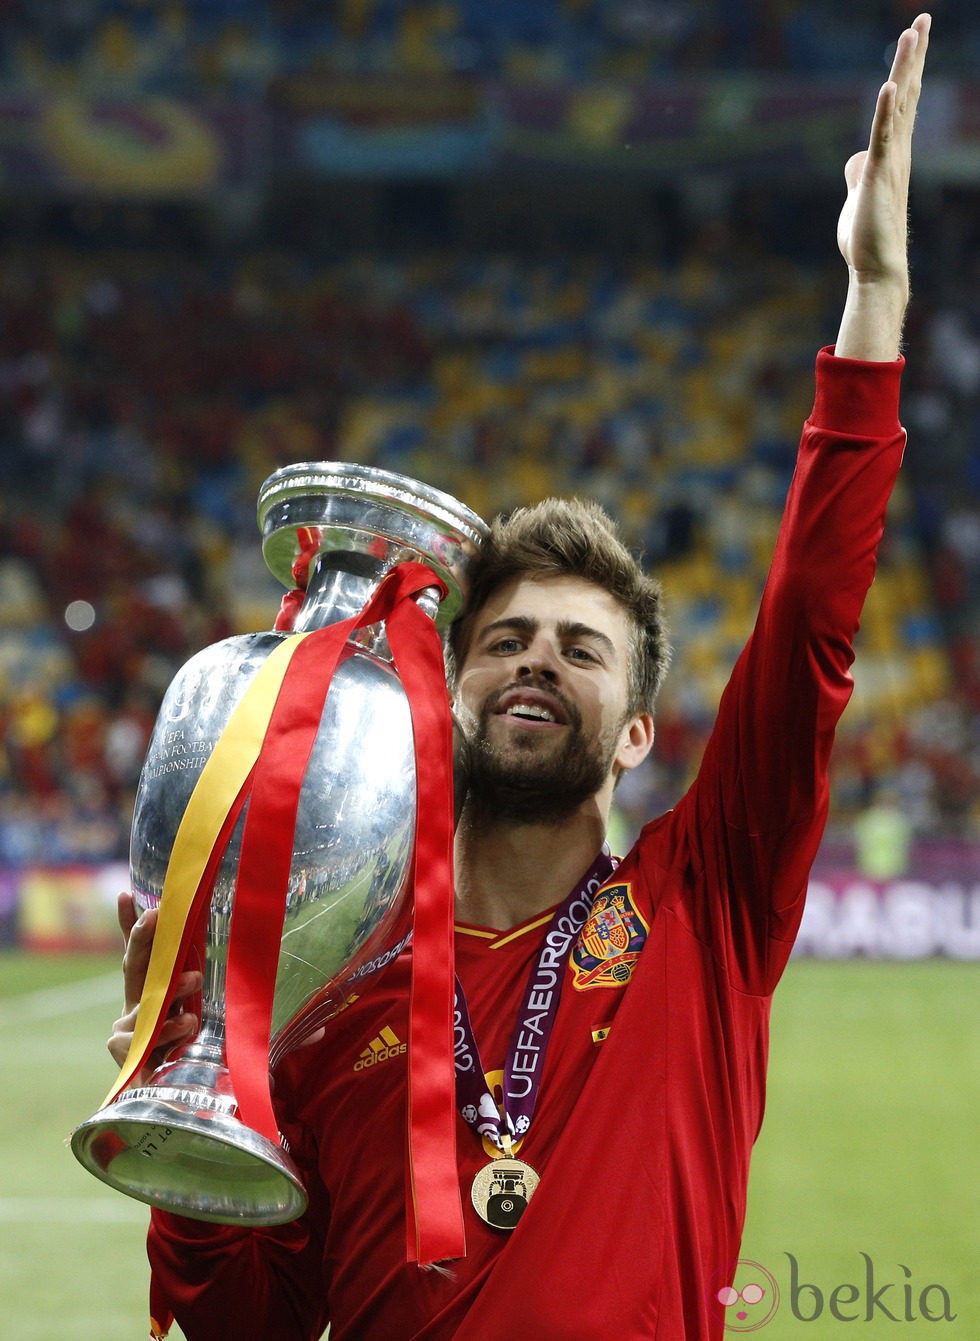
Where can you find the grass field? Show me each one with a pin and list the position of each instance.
(870, 1145)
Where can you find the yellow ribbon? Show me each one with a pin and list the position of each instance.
(221, 780)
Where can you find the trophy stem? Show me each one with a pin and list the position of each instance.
(178, 1144)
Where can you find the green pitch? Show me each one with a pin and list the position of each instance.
(869, 1146)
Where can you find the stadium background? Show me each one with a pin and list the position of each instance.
(565, 246)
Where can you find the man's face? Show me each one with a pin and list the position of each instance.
(542, 696)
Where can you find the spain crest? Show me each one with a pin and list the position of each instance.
(606, 950)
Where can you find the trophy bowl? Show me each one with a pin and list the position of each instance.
(177, 1141)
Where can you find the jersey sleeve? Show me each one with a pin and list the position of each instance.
(230, 1280)
(750, 825)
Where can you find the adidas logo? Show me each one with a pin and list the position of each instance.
(385, 1045)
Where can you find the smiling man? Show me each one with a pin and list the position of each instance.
(611, 1018)
(560, 661)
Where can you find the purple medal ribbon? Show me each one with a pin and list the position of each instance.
(528, 1045)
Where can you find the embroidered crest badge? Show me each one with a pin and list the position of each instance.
(607, 947)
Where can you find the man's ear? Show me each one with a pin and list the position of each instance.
(636, 741)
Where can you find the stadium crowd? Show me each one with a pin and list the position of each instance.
(241, 46)
(145, 395)
(148, 386)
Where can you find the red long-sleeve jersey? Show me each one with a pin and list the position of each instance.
(653, 1089)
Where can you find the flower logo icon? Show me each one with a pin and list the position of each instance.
(745, 1294)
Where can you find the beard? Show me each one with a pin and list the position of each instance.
(535, 779)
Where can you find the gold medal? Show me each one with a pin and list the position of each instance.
(501, 1191)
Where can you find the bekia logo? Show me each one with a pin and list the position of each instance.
(746, 1296)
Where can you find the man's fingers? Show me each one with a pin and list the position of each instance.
(181, 1025)
(190, 981)
(137, 957)
(898, 98)
(126, 913)
(883, 124)
(178, 1028)
(121, 1037)
(187, 983)
(906, 71)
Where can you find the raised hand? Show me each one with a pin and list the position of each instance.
(872, 230)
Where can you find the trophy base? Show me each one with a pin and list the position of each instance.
(197, 1162)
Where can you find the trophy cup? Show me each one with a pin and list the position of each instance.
(178, 1141)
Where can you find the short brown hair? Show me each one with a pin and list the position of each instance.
(571, 537)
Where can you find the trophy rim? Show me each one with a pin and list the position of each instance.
(401, 494)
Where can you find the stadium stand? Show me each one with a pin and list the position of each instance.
(152, 374)
(243, 46)
(133, 460)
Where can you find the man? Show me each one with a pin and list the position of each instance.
(619, 1013)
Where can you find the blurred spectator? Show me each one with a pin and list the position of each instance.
(883, 838)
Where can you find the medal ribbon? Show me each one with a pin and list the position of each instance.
(524, 1064)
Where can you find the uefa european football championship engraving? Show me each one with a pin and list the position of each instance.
(178, 1141)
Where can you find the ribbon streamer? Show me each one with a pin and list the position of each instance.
(435, 1224)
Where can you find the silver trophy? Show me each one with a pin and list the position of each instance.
(177, 1142)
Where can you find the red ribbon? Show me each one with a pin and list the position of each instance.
(292, 602)
(434, 1212)
(435, 1216)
